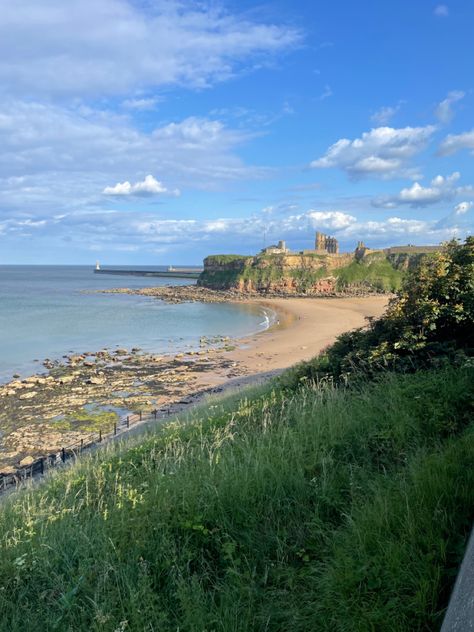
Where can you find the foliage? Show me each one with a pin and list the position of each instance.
(373, 274)
(430, 321)
(220, 260)
(322, 508)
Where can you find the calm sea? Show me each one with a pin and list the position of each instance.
(44, 313)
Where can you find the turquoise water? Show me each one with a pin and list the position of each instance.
(44, 313)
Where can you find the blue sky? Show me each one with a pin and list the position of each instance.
(143, 131)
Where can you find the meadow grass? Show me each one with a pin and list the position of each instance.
(305, 510)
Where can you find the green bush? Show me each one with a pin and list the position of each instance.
(430, 321)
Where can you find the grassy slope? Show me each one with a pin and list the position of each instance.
(321, 510)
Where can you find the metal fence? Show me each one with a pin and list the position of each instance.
(45, 463)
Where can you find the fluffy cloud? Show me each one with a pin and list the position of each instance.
(441, 188)
(330, 220)
(149, 186)
(444, 111)
(190, 240)
(455, 142)
(383, 152)
(107, 47)
(55, 155)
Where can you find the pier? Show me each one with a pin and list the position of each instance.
(171, 272)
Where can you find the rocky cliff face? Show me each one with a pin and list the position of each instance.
(290, 274)
(308, 273)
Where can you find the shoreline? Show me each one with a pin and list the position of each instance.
(42, 412)
(305, 327)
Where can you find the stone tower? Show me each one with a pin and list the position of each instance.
(326, 245)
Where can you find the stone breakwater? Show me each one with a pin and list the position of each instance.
(85, 393)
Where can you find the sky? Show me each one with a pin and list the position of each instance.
(160, 131)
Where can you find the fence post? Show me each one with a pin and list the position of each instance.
(82, 444)
(128, 421)
(100, 436)
(140, 415)
(63, 454)
(42, 465)
(115, 428)
(154, 413)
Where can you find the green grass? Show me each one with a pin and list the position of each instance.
(373, 274)
(315, 509)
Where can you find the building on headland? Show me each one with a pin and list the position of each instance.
(324, 244)
(327, 245)
(279, 249)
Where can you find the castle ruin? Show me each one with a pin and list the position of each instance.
(324, 244)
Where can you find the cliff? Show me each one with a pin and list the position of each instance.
(307, 273)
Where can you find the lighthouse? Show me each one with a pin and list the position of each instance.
(97, 265)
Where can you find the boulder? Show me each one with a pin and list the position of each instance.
(96, 379)
(28, 460)
(28, 395)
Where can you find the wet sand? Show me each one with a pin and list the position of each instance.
(305, 327)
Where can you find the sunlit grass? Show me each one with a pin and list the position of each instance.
(319, 509)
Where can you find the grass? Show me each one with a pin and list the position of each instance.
(374, 274)
(312, 509)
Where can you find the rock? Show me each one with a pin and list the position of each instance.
(16, 375)
(66, 379)
(28, 460)
(121, 351)
(28, 395)
(7, 469)
(96, 379)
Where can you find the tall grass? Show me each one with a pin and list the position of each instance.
(321, 509)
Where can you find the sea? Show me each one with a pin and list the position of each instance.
(50, 311)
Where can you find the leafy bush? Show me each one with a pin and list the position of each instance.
(430, 321)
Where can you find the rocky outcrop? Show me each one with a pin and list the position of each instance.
(308, 272)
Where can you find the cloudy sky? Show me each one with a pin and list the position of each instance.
(160, 131)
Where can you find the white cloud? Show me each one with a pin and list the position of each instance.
(332, 220)
(384, 115)
(383, 152)
(441, 11)
(441, 188)
(149, 186)
(113, 47)
(456, 142)
(463, 207)
(143, 103)
(444, 111)
(58, 157)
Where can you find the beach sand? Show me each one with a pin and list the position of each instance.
(305, 327)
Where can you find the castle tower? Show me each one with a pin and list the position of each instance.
(320, 241)
(326, 245)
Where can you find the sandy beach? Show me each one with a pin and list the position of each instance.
(305, 327)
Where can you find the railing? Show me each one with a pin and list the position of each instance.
(42, 464)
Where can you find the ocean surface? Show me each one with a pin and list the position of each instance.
(46, 312)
